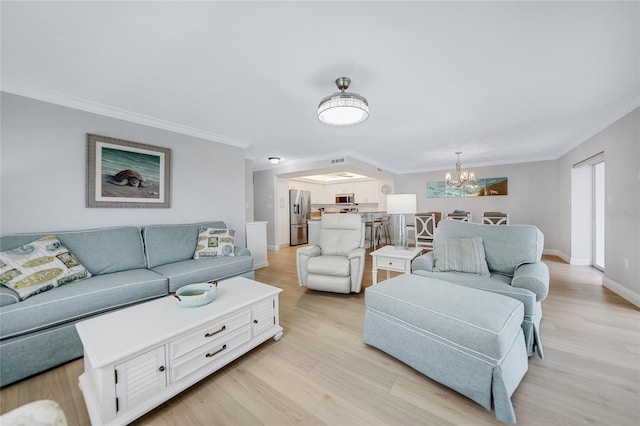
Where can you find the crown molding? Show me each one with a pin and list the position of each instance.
(50, 96)
(615, 114)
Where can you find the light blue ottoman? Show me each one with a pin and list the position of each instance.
(467, 339)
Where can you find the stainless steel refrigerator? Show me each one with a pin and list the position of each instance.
(299, 212)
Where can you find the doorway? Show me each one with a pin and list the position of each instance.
(588, 200)
(597, 252)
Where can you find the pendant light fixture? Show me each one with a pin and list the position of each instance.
(461, 178)
(343, 108)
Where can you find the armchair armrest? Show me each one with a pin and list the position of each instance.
(359, 252)
(302, 258)
(356, 260)
(424, 262)
(534, 277)
(309, 251)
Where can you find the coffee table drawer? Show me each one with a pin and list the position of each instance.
(210, 333)
(209, 353)
(391, 263)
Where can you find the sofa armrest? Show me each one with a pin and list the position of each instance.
(303, 254)
(532, 276)
(424, 262)
(241, 251)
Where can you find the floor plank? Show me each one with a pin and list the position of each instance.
(321, 372)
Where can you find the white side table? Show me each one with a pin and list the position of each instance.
(390, 258)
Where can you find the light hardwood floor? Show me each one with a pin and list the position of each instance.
(321, 373)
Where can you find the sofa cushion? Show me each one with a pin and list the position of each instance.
(460, 255)
(39, 266)
(80, 299)
(214, 242)
(101, 251)
(506, 247)
(165, 244)
(202, 270)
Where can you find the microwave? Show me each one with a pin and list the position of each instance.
(344, 199)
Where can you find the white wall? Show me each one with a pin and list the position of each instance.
(532, 197)
(621, 145)
(264, 191)
(248, 189)
(43, 172)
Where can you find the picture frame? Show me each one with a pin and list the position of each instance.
(125, 174)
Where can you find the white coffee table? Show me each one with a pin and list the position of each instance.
(390, 258)
(137, 358)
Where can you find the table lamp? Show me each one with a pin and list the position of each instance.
(401, 205)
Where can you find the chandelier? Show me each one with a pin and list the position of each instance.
(343, 108)
(462, 177)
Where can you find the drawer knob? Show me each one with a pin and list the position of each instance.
(255, 321)
(223, 328)
(209, 355)
(161, 368)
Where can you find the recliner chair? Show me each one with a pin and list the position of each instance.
(336, 263)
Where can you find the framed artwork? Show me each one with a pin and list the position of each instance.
(478, 188)
(127, 174)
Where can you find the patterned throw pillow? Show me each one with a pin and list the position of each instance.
(460, 255)
(39, 266)
(215, 242)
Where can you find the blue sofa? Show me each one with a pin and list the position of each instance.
(513, 254)
(129, 265)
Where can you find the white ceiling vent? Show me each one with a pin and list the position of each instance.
(337, 160)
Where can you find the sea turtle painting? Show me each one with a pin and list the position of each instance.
(129, 177)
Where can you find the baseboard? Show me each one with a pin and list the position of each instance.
(558, 253)
(580, 261)
(621, 291)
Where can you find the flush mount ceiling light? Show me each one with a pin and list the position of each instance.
(462, 177)
(274, 160)
(343, 108)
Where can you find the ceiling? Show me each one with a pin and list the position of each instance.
(503, 82)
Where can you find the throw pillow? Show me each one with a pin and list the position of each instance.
(215, 242)
(39, 266)
(460, 255)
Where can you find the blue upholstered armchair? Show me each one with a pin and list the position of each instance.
(513, 258)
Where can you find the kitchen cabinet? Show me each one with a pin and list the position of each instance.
(317, 190)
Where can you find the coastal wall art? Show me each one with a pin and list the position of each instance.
(127, 174)
(487, 187)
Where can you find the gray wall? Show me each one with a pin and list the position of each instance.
(42, 177)
(621, 145)
(532, 195)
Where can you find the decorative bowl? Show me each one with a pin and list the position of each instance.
(193, 295)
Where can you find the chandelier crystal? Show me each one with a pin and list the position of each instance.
(343, 108)
(462, 177)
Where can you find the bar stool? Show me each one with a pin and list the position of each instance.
(381, 229)
(369, 233)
